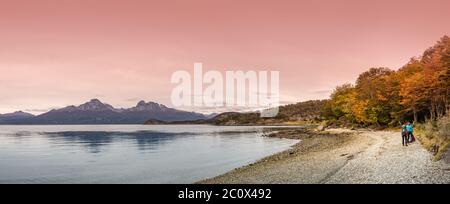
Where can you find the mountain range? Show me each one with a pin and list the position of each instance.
(97, 112)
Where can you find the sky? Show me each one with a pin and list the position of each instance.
(55, 53)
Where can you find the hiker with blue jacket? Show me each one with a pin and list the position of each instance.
(404, 135)
(410, 129)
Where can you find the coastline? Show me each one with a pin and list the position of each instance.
(310, 145)
(341, 156)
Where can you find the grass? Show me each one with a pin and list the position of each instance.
(300, 123)
(435, 136)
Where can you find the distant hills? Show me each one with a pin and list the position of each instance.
(97, 112)
(306, 112)
(16, 116)
(301, 113)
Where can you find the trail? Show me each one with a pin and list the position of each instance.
(367, 157)
(387, 161)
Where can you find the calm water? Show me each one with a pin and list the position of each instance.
(128, 153)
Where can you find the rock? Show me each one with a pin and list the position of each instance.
(320, 128)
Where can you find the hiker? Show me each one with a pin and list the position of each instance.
(404, 135)
(410, 129)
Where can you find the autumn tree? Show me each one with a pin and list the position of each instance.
(380, 96)
(339, 106)
(435, 73)
(371, 90)
(412, 87)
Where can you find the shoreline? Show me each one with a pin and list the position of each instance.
(341, 156)
(310, 143)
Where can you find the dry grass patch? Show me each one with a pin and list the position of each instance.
(435, 136)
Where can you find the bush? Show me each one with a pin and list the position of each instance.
(435, 136)
(444, 128)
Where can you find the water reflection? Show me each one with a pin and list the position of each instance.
(95, 141)
(128, 154)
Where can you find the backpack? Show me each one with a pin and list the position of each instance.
(404, 132)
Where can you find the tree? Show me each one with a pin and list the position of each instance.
(436, 68)
(371, 89)
(412, 92)
(341, 102)
(380, 96)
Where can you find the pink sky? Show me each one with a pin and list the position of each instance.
(55, 53)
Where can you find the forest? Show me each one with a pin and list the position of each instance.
(418, 92)
(381, 97)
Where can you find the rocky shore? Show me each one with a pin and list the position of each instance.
(342, 156)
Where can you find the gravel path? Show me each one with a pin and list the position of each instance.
(359, 157)
(387, 161)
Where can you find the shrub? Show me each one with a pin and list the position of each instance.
(435, 136)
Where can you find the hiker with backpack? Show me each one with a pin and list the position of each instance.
(405, 138)
(410, 129)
